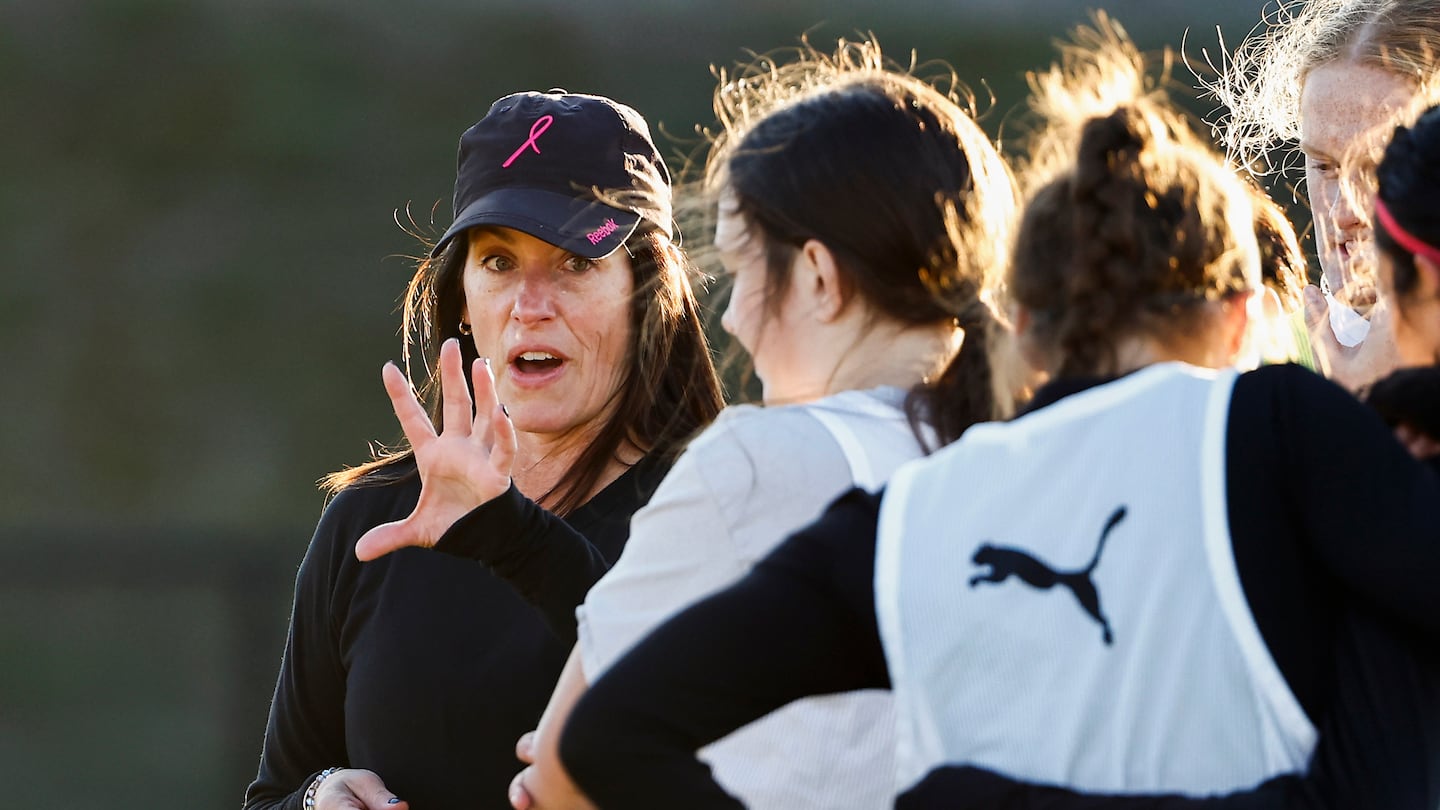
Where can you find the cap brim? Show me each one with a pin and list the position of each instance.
(583, 227)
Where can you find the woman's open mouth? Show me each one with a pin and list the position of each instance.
(535, 367)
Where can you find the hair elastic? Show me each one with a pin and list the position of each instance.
(1402, 237)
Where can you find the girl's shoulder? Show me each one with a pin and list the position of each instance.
(799, 428)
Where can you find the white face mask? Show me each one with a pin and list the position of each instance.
(1349, 326)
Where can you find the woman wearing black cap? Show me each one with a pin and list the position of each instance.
(847, 292)
(413, 675)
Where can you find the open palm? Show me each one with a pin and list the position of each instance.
(462, 467)
(1358, 366)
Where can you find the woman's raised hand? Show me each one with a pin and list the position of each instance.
(1351, 367)
(462, 467)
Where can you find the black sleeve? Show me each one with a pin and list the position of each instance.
(964, 788)
(305, 732)
(546, 561)
(1369, 512)
(801, 623)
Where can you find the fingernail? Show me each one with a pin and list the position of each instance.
(514, 795)
(394, 800)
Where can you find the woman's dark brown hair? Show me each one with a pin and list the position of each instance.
(1134, 222)
(668, 392)
(1282, 262)
(871, 161)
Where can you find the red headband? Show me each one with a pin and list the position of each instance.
(1402, 237)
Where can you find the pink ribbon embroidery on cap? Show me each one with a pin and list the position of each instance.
(536, 130)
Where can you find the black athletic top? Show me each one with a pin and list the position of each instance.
(1334, 529)
(426, 668)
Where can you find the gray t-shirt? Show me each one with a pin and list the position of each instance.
(740, 488)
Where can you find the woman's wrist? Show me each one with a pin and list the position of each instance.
(314, 787)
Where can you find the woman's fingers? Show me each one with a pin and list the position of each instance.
(456, 399)
(525, 748)
(1420, 446)
(1355, 367)
(502, 452)
(1317, 312)
(382, 799)
(1328, 350)
(408, 410)
(482, 380)
(355, 789)
(520, 798)
(385, 538)
(498, 431)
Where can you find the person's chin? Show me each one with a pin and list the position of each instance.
(540, 420)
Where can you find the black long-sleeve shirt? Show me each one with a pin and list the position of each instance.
(423, 667)
(546, 560)
(1336, 535)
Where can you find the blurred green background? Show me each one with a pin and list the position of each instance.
(201, 267)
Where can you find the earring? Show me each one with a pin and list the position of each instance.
(465, 328)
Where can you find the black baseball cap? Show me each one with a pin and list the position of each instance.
(536, 161)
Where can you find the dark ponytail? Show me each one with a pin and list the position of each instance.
(1107, 194)
(964, 394)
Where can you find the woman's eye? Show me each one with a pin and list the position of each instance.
(497, 264)
(579, 264)
(1322, 166)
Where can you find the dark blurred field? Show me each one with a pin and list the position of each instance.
(200, 273)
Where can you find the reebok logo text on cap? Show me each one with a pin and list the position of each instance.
(603, 231)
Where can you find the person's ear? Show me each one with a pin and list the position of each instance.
(1030, 350)
(1022, 319)
(1427, 278)
(464, 325)
(818, 278)
(1235, 317)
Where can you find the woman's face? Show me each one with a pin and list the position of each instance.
(1416, 320)
(764, 331)
(1346, 112)
(556, 327)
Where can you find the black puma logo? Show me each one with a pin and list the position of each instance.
(1004, 562)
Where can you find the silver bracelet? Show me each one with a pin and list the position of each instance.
(315, 787)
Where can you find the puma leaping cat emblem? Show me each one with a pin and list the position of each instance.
(1005, 562)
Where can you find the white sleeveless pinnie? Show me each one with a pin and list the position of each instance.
(1058, 600)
